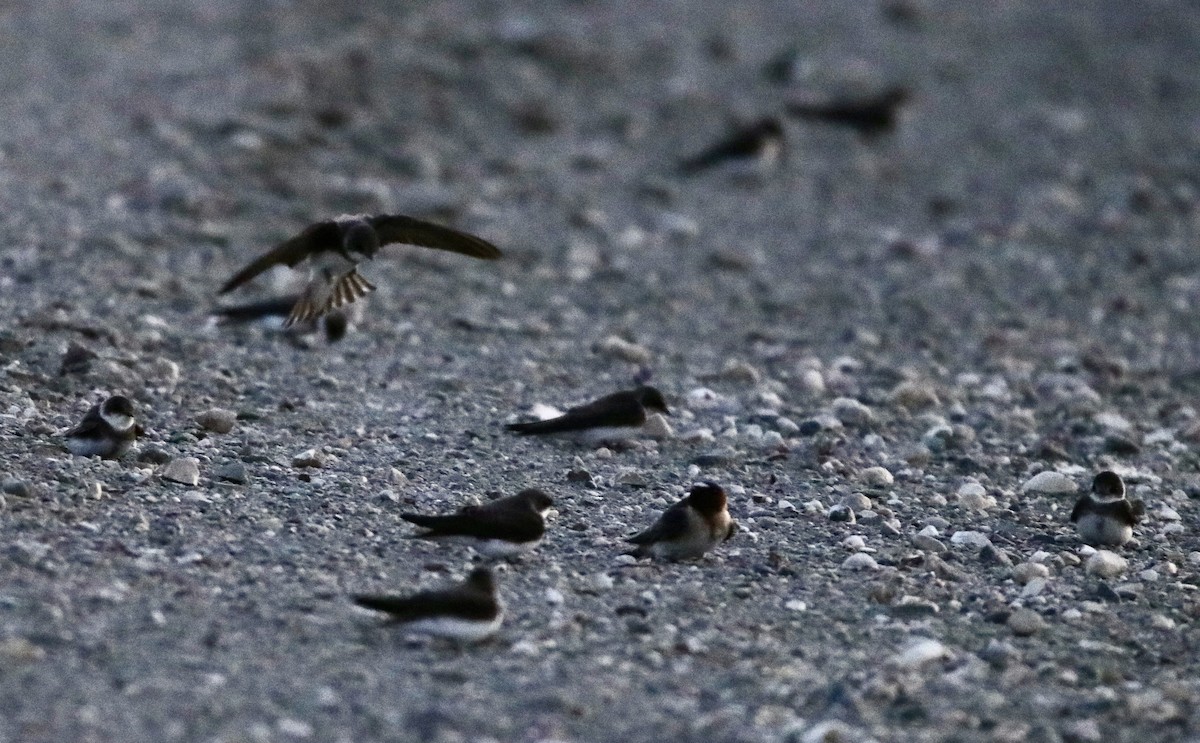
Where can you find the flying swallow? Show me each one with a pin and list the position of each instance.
(751, 150)
(612, 417)
(273, 313)
(502, 528)
(468, 612)
(1104, 516)
(869, 116)
(690, 527)
(107, 430)
(335, 247)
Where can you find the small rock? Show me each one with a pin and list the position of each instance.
(928, 543)
(231, 472)
(309, 458)
(993, 555)
(1106, 564)
(1083, 731)
(856, 502)
(851, 412)
(796, 605)
(860, 561)
(1026, 622)
(970, 539)
(77, 359)
(16, 487)
(554, 597)
(1049, 482)
(617, 347)
(153, 455)
(974, 496)
(841, 513)
(185, 470)
(217, 420)
(580, 476)
(737, 370)
(921, 652)
(1027, 571)
(876, 476)
(656, 427)
(913, 395)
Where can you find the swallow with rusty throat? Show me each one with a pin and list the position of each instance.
(1104, 517)
(689, 528)
(612, 417)
(106, 431)
(334, 248)
(467, 612)
(751, 150)
(502, 528)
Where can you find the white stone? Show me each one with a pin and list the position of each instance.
(1049, 482)
(860, 561)
(1106, 564)
(970, 539)
(617, 347)
(920, 652)
(185, 470)
(876, 476)
(851, 412)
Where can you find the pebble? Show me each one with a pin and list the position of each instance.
(929, 544)
(617, 347)
(993, 555)
(796, 605)
(231, 472)
(656, 427)
(1049, 482)
(17, 487)
(855, 542)
(914, 395)
(1106, 564)
(921, 652)
(1026, 622)
(856, 502)
(309, 458)
(851, 412)
(1027, 571)
(217, 420)
(974, 496)
(185, 470)
(737, 370)
(1084, 731)
(877, 476)
(860, 561)
(811, 381)
(153, 455)
(554, 597)
(970, 539)
(841, 513)
(938, 438)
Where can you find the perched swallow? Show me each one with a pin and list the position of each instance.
(752, 150)
(1104, 516)
(273, 313)
(612, 417)
(335, 247)
(869, 116)
(467, 612)
(502, 528)
(107, 430)
(692, 526)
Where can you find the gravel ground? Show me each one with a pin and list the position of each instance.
(875, 349)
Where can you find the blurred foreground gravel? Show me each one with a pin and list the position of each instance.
(879, 349)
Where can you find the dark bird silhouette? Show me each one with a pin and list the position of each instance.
(870, 116)
(611, 417)
(753, 149)
(502, 528)
(469, 611)
(689, 528)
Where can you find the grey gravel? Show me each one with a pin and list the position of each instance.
(1013, 268)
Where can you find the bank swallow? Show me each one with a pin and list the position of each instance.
(869, 116)
(692, 526)
(107, 430)
(273, 313)
(467, 612)
(1104, 516)
(335, 247)
(502, 528)
(612, 417)
(751, 150)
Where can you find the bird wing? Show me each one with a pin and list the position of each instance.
(617, 409)
(673, 524)
(460, 601)
(91, 423)
(289, 253)
(397, 228)
(1077, 511)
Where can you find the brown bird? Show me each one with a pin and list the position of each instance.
(692, 526)
(869, 116)
(335, 247)
(467, 612)
(502, 528)
(612, 417)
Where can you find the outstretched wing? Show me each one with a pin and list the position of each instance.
(288, 253)
(397, 228)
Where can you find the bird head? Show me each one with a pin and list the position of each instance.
(652, 399)
(537, 500)
(360, 238)
(117, 411)
(708, 498)
(1108, 484)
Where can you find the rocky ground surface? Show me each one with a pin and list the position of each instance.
(877, 349)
